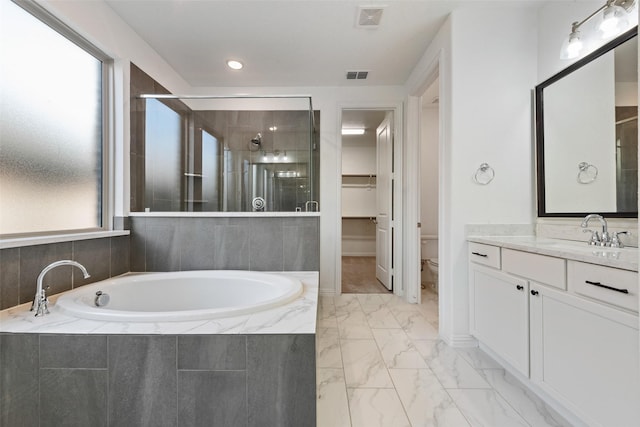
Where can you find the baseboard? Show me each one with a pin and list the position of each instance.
(461, 340)
(327, 292)
(368, 254)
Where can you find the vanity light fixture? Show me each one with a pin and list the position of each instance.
(353, 131)
(234, 64)
(284, 157)
(612, 19)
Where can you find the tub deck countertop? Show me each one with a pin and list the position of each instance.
(296, 317)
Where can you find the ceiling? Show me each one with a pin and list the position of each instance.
(289, 42)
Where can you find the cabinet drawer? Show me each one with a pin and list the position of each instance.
(540, 268)
(484, 254)
(610, 285)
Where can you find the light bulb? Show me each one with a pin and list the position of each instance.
(574, 47)
(611, 24)
(285, 158)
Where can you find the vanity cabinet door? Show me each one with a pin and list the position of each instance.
(585, 355)
(500, 314)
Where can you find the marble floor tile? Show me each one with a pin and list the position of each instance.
(486, 408)
(370, 299)
(327, 322)
(346, 303)
(328, 354)
(426, 402)
(353, 325)
(478, 358)
(397, 350)
(380, 317)
(526, 403)
(376, 408)
(450, 368)
(416, 325)
(363, 364)
(332, 404)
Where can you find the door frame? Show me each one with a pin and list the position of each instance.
(398, 121)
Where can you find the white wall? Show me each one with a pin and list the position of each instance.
(486, 81)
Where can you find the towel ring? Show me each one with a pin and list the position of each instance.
(484, 174)
(587, 173)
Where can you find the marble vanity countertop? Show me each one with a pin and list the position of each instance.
(297, 317)
(624, 258)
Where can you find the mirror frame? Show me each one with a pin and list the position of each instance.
(539, 127)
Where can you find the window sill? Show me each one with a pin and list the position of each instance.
(58, 238)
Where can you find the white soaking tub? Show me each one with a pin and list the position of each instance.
(180, 296)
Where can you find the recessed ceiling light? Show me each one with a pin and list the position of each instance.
(352, 131)
(235, 65)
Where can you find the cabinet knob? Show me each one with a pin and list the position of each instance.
(534, 293)
(519, 287)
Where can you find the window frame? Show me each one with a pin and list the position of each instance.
(107, 105)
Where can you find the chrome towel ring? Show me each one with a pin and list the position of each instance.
(587, 173)
(484, 174)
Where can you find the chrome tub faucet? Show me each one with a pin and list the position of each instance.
(40, 302)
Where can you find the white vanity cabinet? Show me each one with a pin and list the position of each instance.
(572, 328)
(500, 314)
(585, 355)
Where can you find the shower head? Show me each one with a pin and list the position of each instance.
(256, 141)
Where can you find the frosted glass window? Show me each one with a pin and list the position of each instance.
(51, 129)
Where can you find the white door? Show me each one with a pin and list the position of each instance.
(384, 200)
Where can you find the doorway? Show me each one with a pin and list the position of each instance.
(367, 195)
(429, 184)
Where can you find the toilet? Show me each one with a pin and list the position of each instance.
(433, 268)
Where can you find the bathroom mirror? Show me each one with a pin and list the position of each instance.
(587, 134)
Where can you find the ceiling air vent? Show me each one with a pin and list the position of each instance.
(369, 16)
(357, 75)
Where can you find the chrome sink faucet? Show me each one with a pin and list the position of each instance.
(40, 301)
(604, 239)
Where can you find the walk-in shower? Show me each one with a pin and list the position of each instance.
(225, 154)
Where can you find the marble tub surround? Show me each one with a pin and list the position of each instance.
(624, 258)
(297, 317)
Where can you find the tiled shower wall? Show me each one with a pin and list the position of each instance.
(240, 243)
(20, 267)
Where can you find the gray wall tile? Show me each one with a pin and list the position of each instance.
(19, 386)
(266, 244)
(33, 259)
(142, 381)
(120, 255)
(162, 244)
(138, 244)
(281, 384)
(95, 255)
(73, 351)
(10, 278)
(301, 244)
(73, 397)
(232, 236)
(197, 243)
(212, 352)
(212, 398)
